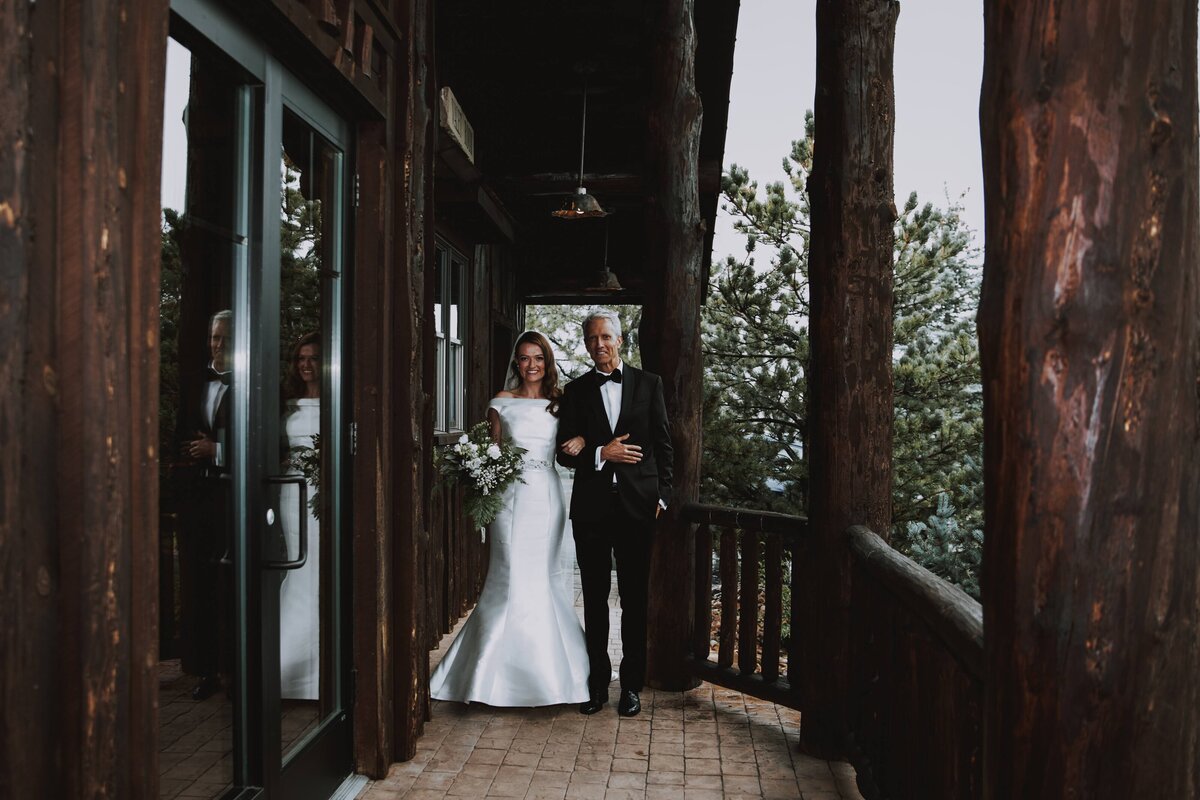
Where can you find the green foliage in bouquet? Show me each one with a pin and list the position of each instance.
(483, 468)
(307, 460)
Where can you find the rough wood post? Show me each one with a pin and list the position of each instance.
(411, 451)
(377, 409)
(79, 273)
(850, 376)
(1088, 332)
(675, 239)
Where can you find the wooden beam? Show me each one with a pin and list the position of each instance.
(412, 444)
(850, 376)
(675, 241)
(79, 475)
(601, 184)
(373, 463)
(1089, 341)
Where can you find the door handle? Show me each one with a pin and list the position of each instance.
(302, 485)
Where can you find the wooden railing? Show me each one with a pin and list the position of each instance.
(917, 678)
(750, 549)
(916, 648)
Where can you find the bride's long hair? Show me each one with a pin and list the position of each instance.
(550, 388)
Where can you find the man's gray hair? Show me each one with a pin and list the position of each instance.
(224, 315)
(605, 314)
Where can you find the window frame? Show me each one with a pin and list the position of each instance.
(450, 338)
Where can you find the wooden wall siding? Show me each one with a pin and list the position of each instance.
(850, 429)
(412, 360)
(82, 96)
(1088, 332)
(675, 244)
(341, 34)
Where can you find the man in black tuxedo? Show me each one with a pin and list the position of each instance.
(203, 433)
(622, 483)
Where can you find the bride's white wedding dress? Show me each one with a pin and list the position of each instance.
(523, 644)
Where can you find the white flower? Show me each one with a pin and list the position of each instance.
(463, 439)
(493, 451)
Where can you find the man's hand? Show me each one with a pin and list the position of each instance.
(621, 453)
(658, 511)
(200, 448)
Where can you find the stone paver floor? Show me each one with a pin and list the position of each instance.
(705, 743)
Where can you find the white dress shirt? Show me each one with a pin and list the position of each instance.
(610, 393)
(213, 392)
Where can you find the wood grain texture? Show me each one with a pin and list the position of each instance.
(78, 546)
(411, 363)
(373, 465)
(1088, 333)
(675, 245)
(850, 375)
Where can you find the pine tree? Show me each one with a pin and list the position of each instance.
(756, 349)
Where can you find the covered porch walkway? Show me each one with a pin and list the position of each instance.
(708, 742)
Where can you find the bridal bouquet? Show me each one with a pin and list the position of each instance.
(307, 461)
(483, 468)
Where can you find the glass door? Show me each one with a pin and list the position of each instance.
(254, 666)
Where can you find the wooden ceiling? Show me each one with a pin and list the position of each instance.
(518, 71)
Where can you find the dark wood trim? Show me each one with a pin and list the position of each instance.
(671, 323)
(30, 588)
(412, 361)
(850, 372)
(1090, 339)
(754, 685)
(78, 556)
(745, 519)
(374, 413)
(953, 615)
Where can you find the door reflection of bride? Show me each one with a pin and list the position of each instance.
(299, 596)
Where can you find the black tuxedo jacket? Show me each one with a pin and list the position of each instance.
(644, 417)
(192, 419)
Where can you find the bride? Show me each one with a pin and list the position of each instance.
(523, 645)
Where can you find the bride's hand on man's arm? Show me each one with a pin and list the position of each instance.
(573, 446)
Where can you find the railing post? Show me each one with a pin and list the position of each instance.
(702, 630)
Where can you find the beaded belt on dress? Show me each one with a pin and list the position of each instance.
(537, 464)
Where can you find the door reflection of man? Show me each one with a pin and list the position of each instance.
(204, 427)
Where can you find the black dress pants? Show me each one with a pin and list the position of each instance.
(597, 541)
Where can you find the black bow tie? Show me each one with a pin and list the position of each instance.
(223, 377)
(614, 376)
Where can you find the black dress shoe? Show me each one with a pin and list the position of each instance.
(629, 705)
(593, 703)
(206, 688)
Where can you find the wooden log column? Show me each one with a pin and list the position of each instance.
(850, 375)
(671, 348)
(1088, 332)
(374, 466)
(80, 148)
(413, 335)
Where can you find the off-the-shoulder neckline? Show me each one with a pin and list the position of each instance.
(542, 399)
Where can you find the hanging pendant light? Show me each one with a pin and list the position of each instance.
(581, 205)
(606, 279)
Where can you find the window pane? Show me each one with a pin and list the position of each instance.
(439, 414)
(457, 301)
(439, 325)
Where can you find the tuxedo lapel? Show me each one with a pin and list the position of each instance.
(597, 401)
(628, 387)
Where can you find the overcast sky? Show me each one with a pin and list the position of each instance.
(938, 69)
